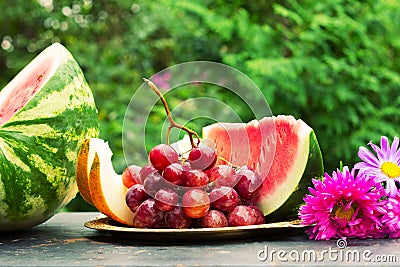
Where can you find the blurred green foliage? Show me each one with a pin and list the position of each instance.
(332, 63)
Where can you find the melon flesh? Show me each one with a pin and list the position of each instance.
(105, 185)
(277, 148)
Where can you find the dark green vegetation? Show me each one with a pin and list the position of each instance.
(333, 63)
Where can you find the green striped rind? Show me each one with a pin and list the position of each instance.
(314, 169)
(38, 147)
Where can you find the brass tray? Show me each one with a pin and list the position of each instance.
(262, 231)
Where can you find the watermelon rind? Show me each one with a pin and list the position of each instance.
(313, 170)
(39, 144)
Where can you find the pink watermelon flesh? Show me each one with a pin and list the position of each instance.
(275, 147)
(16, 95)
(251, 144)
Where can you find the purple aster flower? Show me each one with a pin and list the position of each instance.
(343, 205)
(390, 219)
(161, 80)
(385, 166)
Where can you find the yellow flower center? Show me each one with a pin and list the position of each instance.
(339, 211)
(344, 214)
(390, 169)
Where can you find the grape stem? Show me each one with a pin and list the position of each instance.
(172, 123)
(227, 162)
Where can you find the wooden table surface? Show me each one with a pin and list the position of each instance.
(64, 241)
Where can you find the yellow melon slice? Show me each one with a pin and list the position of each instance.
(99, 184)
(83, 166)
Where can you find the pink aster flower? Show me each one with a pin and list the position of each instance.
(162, 80)
(391, 218)
(344, 205)
(385, 166)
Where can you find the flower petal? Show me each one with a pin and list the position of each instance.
(395, 145)
(368, 157)
(357, 196)
(385, 145)
(379, 152)
(391, 189)
(380, 178)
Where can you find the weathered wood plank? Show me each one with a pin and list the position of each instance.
(64, 241)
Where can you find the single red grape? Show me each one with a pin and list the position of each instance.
(195, 203)
(147, 215)
(186, 166)
(145, 171)
(166, 199)
(245, 215)
(135, 196)
(214, 219)
(195, 178)
(249, 184)
(130, 176)
(162, 155)
(174, 173)
(153, 183)
(177, 219)
(223, 175)
(202, 158)
(224, 198)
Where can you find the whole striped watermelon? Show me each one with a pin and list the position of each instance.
(45, 112)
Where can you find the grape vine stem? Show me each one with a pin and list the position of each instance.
(227, 162)
(172, 123)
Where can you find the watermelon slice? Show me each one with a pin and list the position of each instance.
(283, 150)
(45, 113)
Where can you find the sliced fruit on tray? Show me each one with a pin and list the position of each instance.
(236, 175)
(283, 150)
(45, 112)
(99, 184)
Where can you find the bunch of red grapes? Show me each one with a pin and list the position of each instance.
(176, 192)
